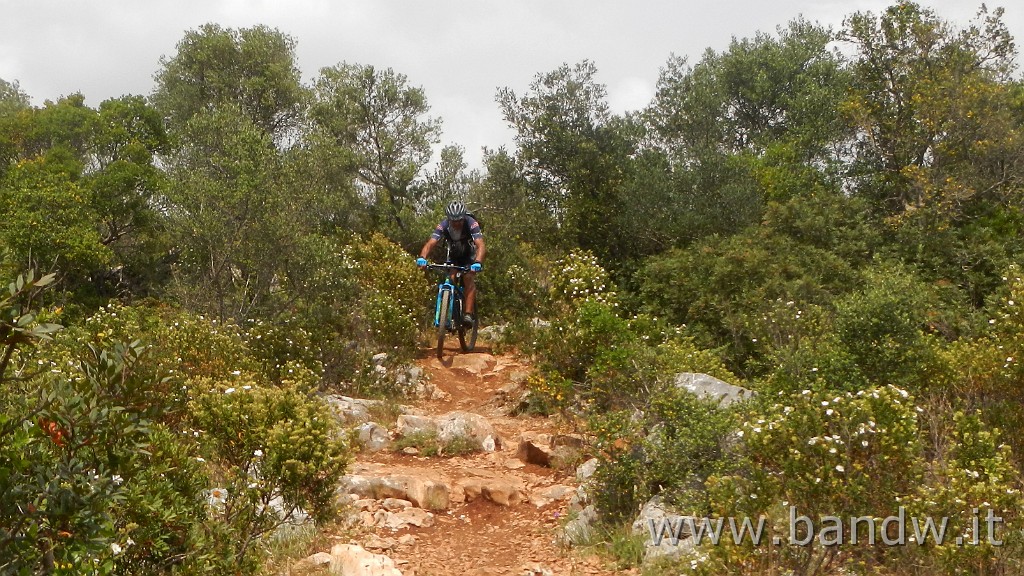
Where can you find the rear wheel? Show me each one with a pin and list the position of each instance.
(442, 322)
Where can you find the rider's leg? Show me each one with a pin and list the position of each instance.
(469, 283)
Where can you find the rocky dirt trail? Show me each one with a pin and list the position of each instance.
(495, 511)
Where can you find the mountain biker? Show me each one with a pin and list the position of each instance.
(465, 242)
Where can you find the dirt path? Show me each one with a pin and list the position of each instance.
(478, 534)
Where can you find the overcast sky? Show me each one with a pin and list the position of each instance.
(459, 51)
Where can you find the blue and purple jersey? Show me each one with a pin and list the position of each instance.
(444, 230)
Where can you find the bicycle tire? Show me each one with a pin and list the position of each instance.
(442, 323)
(468, 344)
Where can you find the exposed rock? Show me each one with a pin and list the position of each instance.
(472, 364)
(352, 560)
(379, 358)
(428, 493)
(468, 425)
(472, 488)
(502, 492)
(587, 469)
(375, 542)
(409, 517)
(409, 425)
(422, 387)
(533, 452)
(406, 540)
(364, 504)
(712, 388)
(311, 563)
(492, 331)
(374, 487)
(351, 410)
(411, 451)
(574, 441)
(656, 518)
(373, 436)
(541, 498)
(536, 570)
(580, 530)
(393, 504)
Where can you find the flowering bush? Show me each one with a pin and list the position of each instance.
(278, 453)
(278, 343)
(578, 278)
(976, 478)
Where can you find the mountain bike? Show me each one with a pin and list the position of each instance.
(449, 306)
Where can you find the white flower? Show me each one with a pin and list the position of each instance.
(237, 372)
(200, 459)
(258, 453)
(117, 479)
(217, 496)
(229, 391)
(839, 468)
(829, 412)
(115, 548)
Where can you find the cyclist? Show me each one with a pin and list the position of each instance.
(465, 243)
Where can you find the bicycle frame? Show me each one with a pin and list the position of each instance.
(456, 294)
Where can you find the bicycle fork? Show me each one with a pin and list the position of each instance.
(453, 294)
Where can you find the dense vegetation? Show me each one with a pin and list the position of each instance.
(832, 218)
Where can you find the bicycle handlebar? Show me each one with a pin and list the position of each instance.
(447, 267)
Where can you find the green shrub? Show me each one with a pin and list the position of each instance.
(580, 278)
(976, 476)
(277, 453)
(670, 449)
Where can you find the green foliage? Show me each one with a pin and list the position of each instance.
(820, 454)
(722, 289)
(377, 115)
(883, 327)
(48, 219)
(579, 277)
(252, 69)
(270, 442)
(429, 444)
(930, 106)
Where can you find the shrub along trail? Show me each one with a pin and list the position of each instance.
(491, 512)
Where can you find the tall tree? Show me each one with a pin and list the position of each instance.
(378, 115)
(229, 218)
(250, 68)
(931, 107)
(13, 102)
(753, 124)
(575, 151)
(761, 91)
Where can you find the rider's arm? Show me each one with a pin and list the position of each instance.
(428, 247)
(481, 249)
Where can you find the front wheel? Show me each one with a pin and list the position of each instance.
(442, 322)
(467, 336)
